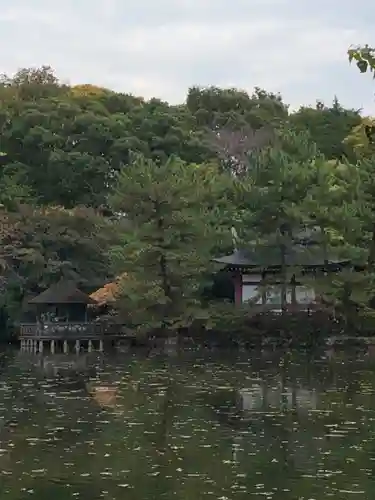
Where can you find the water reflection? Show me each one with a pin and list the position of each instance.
(277, 425)
(265, 398)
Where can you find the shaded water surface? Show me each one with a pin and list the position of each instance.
(198, 426)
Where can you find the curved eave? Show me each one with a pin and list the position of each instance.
(234, 261)
(329, 265)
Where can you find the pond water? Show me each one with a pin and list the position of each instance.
(280, 425)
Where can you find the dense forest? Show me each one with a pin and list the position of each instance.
(97, 184)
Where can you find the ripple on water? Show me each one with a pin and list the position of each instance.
(280, 428)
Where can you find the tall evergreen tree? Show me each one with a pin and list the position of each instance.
(175, 212)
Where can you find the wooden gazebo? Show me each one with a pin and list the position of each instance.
(62, 302)
(257, 271)
(61, 317)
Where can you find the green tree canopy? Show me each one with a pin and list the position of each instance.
(175, 213)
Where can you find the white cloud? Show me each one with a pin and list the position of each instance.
(160, 48)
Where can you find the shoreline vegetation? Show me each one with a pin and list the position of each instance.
(100, 187)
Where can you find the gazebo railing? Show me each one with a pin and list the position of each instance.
(70, 330)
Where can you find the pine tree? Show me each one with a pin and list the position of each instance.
(175, 211)
(272, 193)
(292, 188)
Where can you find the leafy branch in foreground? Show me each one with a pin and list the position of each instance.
(364, 56)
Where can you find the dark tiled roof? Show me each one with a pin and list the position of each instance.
(63, 292)
(297, 255)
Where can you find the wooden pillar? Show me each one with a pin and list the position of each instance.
(78, 346)
(41, 346)
(101, 345)
(294, 295)
(66, 347)
(90, 346)
(237, 283)
(52, 347)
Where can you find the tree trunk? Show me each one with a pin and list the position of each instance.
(371, 256)
(284, 283)
(163, 266)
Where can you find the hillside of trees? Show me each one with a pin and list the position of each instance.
(95, 184)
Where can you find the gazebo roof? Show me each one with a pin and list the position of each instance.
(63, 292)
(305, 248)
(268, 257)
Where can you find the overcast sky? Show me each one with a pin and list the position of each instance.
(161, 47)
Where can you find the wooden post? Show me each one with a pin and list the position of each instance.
(101, 345)
(238, 285)
(66, 347)
(90, 346)
(78, 346)
(294, 297)
(52, 347)
(41, 346)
